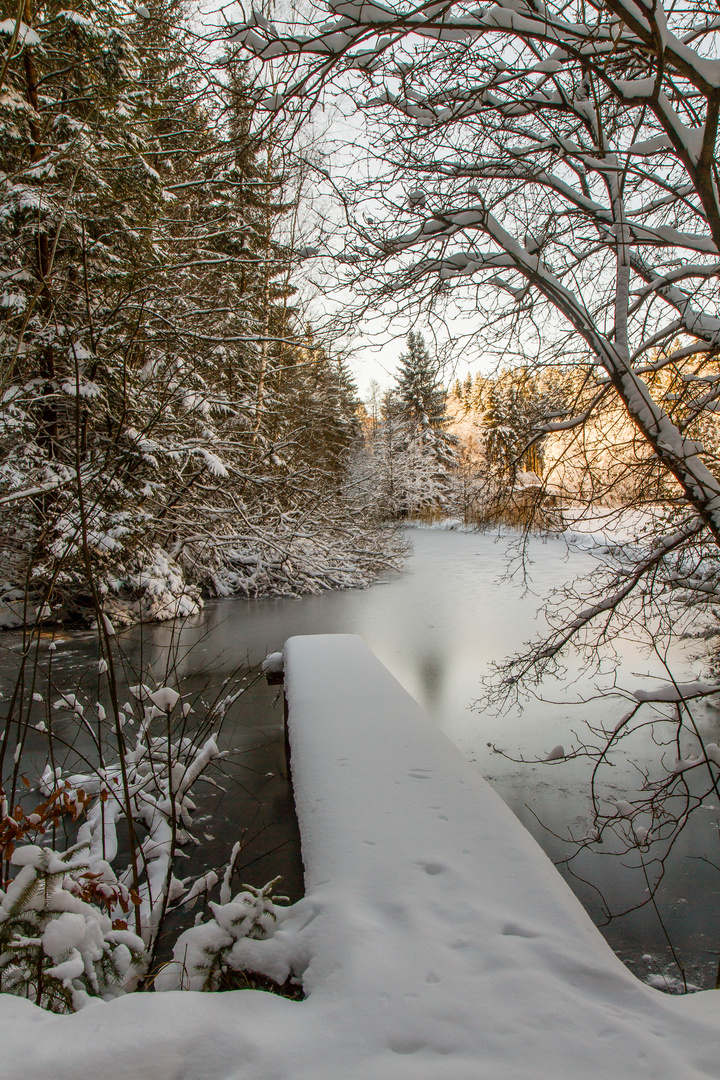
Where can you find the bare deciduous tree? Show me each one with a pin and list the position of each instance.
(549, 170)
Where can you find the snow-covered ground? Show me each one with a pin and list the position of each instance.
(436, 941)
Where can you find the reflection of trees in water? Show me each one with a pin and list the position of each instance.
(432, 670)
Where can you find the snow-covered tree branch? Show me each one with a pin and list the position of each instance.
(538, 160)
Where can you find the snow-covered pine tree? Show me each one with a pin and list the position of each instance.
(324, 414)
(420, 400)
(514, 406)
(419, 391)
(79, 193)
(415, 423)
(398, 469)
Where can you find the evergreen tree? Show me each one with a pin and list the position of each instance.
(419, 391)
(409, 459)
(514, 406)
(399, 478)
(327, 414)
(79, 198)
(414, 452)
(420, 401)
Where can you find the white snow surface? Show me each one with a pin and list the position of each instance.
(436, 941)
(273, 663)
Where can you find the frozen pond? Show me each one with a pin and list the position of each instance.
(438, 627)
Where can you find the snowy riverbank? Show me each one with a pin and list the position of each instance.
(435, 940)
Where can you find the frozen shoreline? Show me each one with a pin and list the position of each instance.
(435, 941)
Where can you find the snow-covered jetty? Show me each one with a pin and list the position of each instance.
(436, 941)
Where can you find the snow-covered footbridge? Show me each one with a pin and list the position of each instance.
(435, 942)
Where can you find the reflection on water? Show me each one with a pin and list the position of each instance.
(438, 627)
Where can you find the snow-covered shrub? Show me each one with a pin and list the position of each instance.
(71, 927)
(153, 786)
(56, 947)
(152, 588)
(205, 955)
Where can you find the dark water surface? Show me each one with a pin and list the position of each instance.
(438, 627)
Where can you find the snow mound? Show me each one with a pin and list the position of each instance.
(273, 664)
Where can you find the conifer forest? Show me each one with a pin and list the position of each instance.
(170, 427)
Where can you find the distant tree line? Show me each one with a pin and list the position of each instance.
(493, 447)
